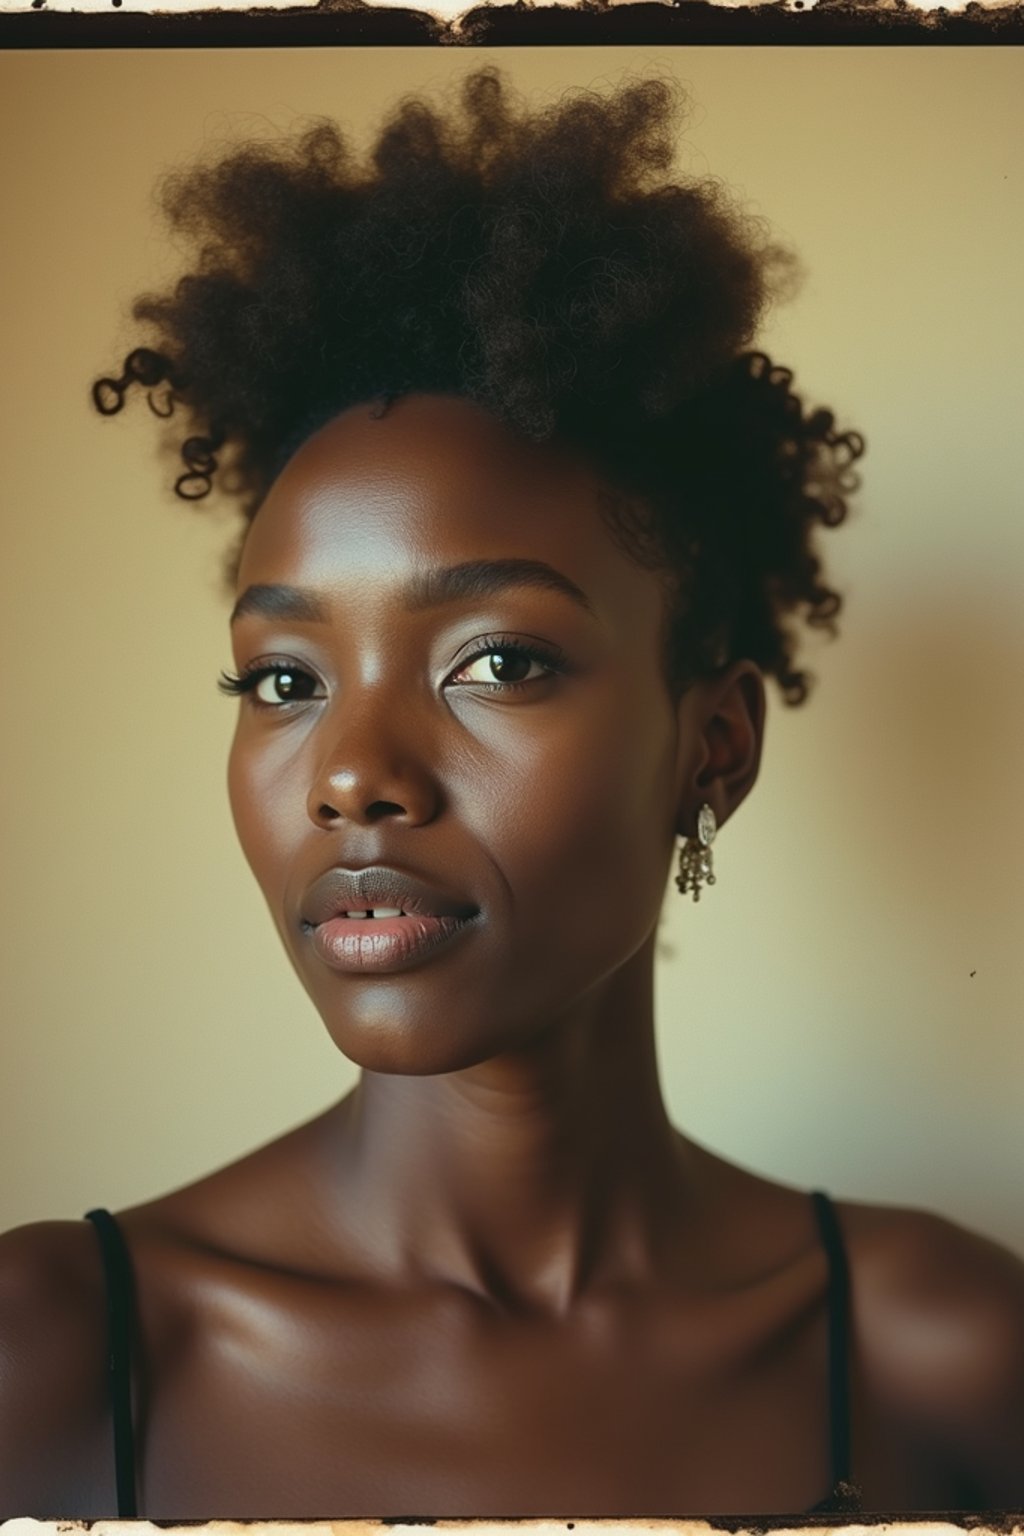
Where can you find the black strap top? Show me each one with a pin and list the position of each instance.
(117, 1271)
(845, 1497)
(117, 1267)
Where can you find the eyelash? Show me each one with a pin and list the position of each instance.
(251, 676)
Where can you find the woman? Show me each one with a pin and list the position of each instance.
(526, 526)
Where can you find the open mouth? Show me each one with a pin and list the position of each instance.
(380, 905)
(379, 912)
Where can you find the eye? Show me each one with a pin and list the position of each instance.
(497, 666)
(283, 685)
(271, 686)
(502, 666)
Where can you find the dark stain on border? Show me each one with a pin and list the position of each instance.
(994, 1520)
(355, 23)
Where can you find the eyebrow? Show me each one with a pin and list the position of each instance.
(427, 589)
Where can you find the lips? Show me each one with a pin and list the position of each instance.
(431, 920)
(340, 890)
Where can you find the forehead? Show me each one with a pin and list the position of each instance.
(435, 479)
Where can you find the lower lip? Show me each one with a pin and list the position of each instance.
(383, 943)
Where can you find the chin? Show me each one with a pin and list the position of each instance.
(421, 1050)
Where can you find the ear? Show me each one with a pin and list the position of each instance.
(722, 723)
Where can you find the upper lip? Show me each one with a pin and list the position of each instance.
(340, 890)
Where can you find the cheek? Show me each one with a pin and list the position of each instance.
(265, 815)
(580, 822)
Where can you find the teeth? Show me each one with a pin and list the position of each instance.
(378, 912)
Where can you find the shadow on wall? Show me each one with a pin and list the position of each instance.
(940, 845)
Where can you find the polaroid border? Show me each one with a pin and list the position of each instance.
(518, 23)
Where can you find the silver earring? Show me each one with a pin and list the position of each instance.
(695, 855)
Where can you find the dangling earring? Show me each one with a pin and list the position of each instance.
(695, 855)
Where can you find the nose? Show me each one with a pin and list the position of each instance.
(376, 766)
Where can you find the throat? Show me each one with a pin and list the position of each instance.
(510, 1196)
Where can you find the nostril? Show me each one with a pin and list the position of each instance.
(381, 808)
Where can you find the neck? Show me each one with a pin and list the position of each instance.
(530, 1178)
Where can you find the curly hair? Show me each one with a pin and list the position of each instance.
(548, 266)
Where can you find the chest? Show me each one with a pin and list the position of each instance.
(374, 1407)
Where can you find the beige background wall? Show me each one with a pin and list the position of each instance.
(845, 1007)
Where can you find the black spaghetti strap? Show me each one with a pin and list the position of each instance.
(117, 1269)
(838, 1348)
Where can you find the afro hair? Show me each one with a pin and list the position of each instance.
(549, 266)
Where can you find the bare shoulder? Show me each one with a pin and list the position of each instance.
(52, 1364)
(56, 1431)
(938, 1316)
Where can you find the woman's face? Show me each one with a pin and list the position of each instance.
(503, 734)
